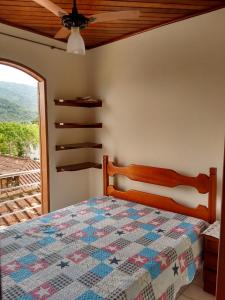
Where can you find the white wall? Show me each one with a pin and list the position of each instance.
(66, 77)
(164, 99)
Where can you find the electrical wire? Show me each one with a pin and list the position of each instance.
(31, 41)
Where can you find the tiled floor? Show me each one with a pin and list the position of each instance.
(195, 291)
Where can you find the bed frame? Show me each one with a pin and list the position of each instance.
(164, 177)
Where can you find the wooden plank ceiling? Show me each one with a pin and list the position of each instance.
(28, 15)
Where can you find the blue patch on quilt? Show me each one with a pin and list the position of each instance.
(102, 270)
(185, 225)
(192, 235)
(47, 240)
(147, 227)
(28, 259)
(89, 239)
(46, 219)
(90, 230)
(191, 271)
(98, 211)
(134, 217)
(132, 211)
(101, 254)
(149, 253)
(89, 295)
(99, 218)
(49, 229)
(153, 268)
(21, 275)
(152, 236)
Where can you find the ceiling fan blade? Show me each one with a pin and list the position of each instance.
(63, 33)
(113, 16)
(49, 5)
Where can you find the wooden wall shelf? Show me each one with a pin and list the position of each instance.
(78, 146)
(87, 102)
(80, 166)
(80, 102)
(77, 125)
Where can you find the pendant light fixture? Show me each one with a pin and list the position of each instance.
(75, 42)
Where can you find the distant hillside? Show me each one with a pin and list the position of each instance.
(11, 112)
(21, 94)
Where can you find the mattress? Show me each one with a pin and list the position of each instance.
(102, 248)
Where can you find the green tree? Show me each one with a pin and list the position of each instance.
(18, 138)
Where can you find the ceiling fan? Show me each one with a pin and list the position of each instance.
(73, 22)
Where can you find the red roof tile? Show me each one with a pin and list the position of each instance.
(12, 164)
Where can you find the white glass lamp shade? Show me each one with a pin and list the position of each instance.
(75, 42)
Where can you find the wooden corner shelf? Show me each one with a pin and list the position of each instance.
(78, 146)
(77, 125)
(77, 167)
(79, 102)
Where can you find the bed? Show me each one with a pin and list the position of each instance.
(123, 245)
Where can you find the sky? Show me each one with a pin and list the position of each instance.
(11, 74)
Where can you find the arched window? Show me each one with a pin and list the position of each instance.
(23, 143)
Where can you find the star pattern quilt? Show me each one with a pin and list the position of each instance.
(102, 248)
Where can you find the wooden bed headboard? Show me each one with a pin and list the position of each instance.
(164, 177)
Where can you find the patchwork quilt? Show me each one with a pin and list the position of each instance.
(102, 248)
